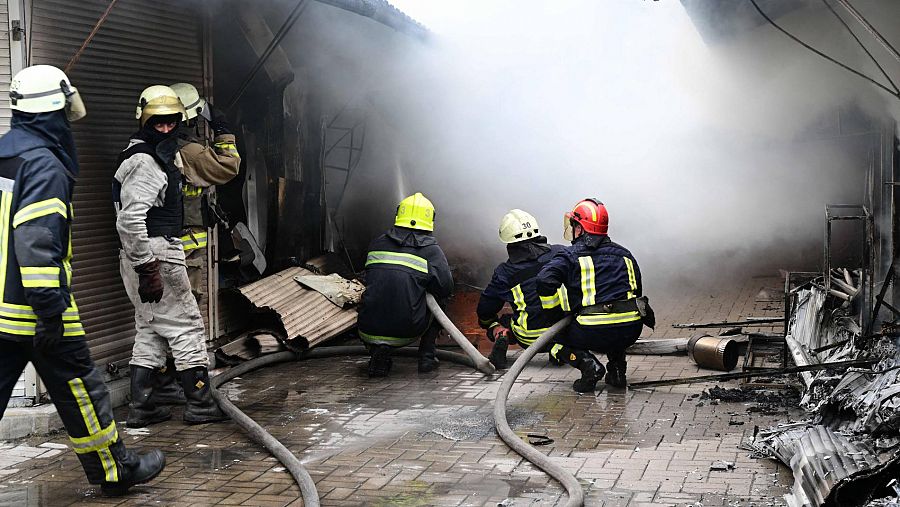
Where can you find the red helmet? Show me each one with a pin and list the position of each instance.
(591, 215)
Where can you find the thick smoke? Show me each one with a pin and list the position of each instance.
(704, 155)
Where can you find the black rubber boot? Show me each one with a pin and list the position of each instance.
(428, 361)
(380, 362)
(498, 353)
(168, 391)
(134, 469)
(200, 407)
(142, 411)
(591, 369)
(616, 369)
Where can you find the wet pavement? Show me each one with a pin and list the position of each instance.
(428, 439)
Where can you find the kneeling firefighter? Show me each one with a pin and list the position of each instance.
(515, 282)
(401, 266)
(147, 196)
(39, 321)
(603, 284)
(205, 163)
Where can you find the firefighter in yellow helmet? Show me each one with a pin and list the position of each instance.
(147, 194)
(205, 163)
(514, 283)
(39, 321)
(402, 266)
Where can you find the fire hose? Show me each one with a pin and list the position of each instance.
(293, 464)
(542, 461)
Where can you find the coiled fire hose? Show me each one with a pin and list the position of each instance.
(542, 461)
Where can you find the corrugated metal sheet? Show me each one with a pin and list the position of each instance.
(307, 316)
(820, 459)
(137, 46)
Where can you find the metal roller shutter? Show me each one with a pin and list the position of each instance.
(141, 43)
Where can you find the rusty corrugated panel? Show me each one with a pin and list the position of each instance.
(307, 316)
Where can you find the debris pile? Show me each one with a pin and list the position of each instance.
(846, 451)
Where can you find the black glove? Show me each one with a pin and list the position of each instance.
(150, 284)
(48, 332)
(219, 122)
(496, 331)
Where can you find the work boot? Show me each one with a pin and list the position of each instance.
(200, 407)
(142, 411)
(498, 353)
(134, 469)
(428, 351)
(380, 362)
(428, 364)
(591, 372)
(615, 373)
(168, 391)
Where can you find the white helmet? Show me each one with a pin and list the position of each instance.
(45, 88)
(518, 225)
(194, 104)
(158, 100)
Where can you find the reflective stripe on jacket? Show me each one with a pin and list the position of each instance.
(516, 283)
(593, 271)
(401, 267)
(35, 238)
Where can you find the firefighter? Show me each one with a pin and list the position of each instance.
(514, 282)
(39, 319)
(147, 196)
(402, 265)
(204, 164)
(602, 286)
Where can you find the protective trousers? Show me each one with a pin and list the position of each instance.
(173, 322)
(81, 398)
(195, 264)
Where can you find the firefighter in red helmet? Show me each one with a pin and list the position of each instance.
(601, 283)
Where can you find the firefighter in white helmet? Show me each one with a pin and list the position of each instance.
(147, 193)
(39, 320)
(205, 163)
(513, 282)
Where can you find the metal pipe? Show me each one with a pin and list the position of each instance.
(573, 488)
(480, 362)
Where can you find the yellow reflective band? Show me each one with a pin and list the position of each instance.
(588, 289)
(387, 340)
(5, 209)
(564, 298)
(40, 209)
(632, 279)
(72, 329)
(401, 259)
(190, 190)
(548, 302)
(527, 333)
(193, 242)
(608, 318)
(554, 350)
(93, 427)
(39, 276)
(17, 311)
(17, 327)
(93, 443)
(519, 301)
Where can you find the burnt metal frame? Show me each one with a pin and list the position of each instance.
(793, 280)
(857, 212)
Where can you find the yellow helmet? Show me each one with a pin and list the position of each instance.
(415, 212)
(158, 100)
(518, 225)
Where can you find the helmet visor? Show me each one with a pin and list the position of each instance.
(205, 111)
(568, 230)
(75, 109)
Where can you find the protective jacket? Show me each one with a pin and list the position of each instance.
(401, 266)
(148, 201)
(515, 282)
(203, 166)
(599, 280)
(37, 176)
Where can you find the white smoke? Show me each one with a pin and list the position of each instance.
(535, 105)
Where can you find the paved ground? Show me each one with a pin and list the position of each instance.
(429, 440)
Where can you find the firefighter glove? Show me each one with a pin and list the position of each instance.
(48, 332)
(219, 122)
(150, 284)
(497, 331)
